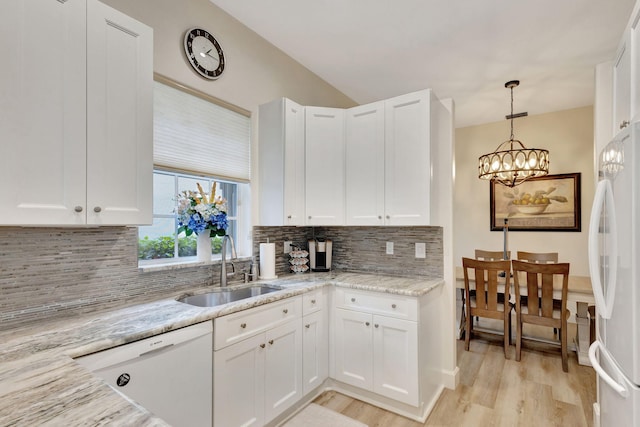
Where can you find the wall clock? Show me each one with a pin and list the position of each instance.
(204, 53)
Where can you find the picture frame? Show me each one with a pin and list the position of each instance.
(553, 204)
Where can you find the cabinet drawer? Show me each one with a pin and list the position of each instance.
(313, 301)
(244, 324)
(399, 306)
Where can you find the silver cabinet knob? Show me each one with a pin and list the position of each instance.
(313, 301)
(367, 323)
(307, 326)
(379, 216)
(270, 342)
(309, 216)
(78, 209)
(393, 306)
(353, 300)
(289, 216)
(97, 209)
(376, 325)
(624, 124)
(263, 345)
(285, 311)
(388, 216)
(243, 325)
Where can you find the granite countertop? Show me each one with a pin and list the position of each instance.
(40, 383)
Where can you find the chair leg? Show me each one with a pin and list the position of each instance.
(467, 332)
(563, 346)
(507, 332)
(518, 334)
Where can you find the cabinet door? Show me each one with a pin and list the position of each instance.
(283, 368)
(238, 384)
(324, 166)
(281, 163)
(395, 359)
(42, 112)
(119, 117)
(315, 353)
(364, 169)
(353, 352)
(407, 159)
(622, 88)
(635, 68)
(294, 162)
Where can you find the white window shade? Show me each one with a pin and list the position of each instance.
(195, 135)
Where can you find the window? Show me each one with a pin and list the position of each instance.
(160, 241)
(196, 140)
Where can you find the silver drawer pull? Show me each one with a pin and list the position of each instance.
(307, 326)
(285, 311)
(78, 209)
(263, 345)
(353, 300)
(624, 124)
(393, 306)
(243, 325)
(289, 216)
(376, 325)
(367, 323)
(313, 301)
(270, 342)
(97, 209)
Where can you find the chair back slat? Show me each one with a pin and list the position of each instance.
(491, 255)
(538, 257)
(533, 293)
(547, 295)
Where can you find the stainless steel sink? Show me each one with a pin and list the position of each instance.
(225, 296)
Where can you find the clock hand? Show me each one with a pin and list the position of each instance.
(207, 53)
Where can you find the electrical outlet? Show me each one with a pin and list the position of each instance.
(389, 248)
(421, 250)
(287, 246)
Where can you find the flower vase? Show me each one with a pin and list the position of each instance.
(204, 245)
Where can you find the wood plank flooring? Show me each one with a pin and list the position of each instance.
(494, 391)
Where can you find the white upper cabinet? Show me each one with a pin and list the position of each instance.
(75, 115)
(365, 164)
(407, 159)
(634, 36)
(281, 163)
(324, 166)
(622, 88)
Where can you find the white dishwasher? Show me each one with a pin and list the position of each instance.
(168, 374)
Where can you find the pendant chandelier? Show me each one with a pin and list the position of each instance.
(512, 163)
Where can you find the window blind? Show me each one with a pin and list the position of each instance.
(195, 135)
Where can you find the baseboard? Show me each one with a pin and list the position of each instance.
(451, 379)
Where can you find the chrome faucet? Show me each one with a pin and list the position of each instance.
(223, 269)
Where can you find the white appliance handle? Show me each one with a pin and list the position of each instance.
(618, 387)
(603, 194)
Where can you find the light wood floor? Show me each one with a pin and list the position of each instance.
(496, 392)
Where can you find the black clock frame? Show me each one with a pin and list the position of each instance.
(191, 57)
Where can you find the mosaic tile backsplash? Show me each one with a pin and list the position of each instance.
(48, 273)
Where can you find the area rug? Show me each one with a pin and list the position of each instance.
(317, 416)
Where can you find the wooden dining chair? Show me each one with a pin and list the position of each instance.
(540, 311)
(486, 275)
(537, 257)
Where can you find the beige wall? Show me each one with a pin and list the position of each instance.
(568, 135)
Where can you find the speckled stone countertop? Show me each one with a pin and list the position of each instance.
(41, 384)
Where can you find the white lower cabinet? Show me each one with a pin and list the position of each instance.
(257, 378)
(376, 344)
(315, 340)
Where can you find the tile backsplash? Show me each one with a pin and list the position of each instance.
(48, 273)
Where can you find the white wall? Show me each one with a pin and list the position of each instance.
(568, 135)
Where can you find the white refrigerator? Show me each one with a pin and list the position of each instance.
(614, 262)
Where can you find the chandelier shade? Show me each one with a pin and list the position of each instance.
(512, 163)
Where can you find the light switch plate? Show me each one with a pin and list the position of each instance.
(421, 250)
(389, 248)
(287, 246)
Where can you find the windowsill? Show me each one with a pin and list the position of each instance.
(183, 263)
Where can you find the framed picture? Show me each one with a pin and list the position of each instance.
(549, 203)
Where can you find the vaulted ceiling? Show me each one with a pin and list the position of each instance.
(463, 49)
